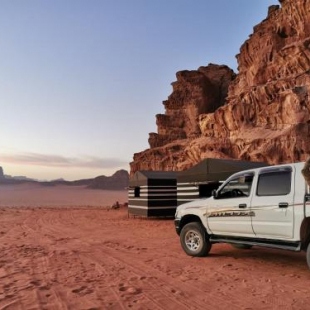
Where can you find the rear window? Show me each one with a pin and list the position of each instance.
(274, 183)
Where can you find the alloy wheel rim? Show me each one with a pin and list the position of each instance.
(193, 240)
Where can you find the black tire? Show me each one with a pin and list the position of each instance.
(308, 255)
(242, 246)
(194, 240)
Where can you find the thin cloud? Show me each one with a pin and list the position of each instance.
(61, 161)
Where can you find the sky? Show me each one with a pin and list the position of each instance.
(82, 80)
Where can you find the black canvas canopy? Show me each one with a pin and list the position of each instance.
(143, 177)
(215, 169)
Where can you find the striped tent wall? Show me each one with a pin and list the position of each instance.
(153, 196)
(187, 192)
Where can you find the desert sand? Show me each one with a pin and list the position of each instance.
(81, 254)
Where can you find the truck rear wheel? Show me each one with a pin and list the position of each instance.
(194, 240)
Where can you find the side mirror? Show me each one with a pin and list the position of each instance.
(214, 193)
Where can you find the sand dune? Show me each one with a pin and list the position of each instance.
(98, 258)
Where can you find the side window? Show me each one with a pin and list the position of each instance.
(137, 191)
(237, 187)
(274, 183)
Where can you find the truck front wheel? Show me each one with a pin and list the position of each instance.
(308, 255)
(194, 240)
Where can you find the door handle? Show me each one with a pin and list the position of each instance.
(283, 205)
(242, 205)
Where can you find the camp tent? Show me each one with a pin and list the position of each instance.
(158, 193)
(199, 181)
(152, 193)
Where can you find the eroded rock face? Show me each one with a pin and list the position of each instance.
(194, 93)
(261, 114)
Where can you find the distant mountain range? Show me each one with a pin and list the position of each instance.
(119, 180)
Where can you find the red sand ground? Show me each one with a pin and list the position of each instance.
(96, 258)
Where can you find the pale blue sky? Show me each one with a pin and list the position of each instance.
(82, 80)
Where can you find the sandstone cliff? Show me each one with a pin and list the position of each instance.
(260, 114)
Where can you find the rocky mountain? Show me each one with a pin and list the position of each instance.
(119, 180)
(260, 114)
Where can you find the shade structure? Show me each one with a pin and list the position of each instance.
(158, 193)
(215, 169)
(152, 193)
(200, 180)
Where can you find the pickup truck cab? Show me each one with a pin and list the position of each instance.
(265, 206)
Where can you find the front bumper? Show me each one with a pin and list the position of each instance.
(177, 226)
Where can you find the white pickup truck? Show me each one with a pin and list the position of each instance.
(259, 207)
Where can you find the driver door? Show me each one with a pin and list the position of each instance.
(231, 214)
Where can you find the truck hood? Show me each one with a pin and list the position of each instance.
(196, 204)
